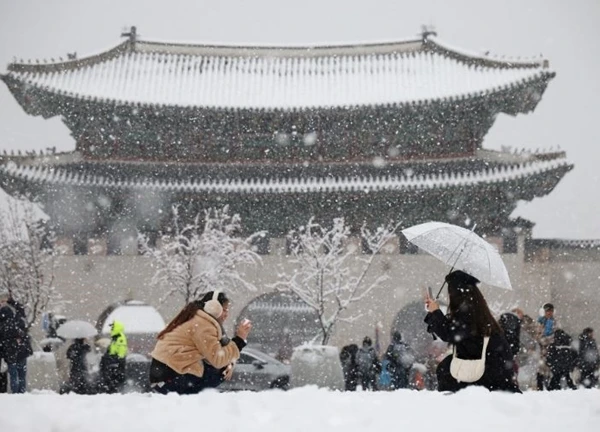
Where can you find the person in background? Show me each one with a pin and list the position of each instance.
(588, 359)
(78, 376)
(51, 323)
(561, 359)
(546, 326)
(113, 362)
(467, 323)
(349, 366)
(510, 323)
(368, 364)
(401, 359)
(193, 353)
(15, 343)
(547, 321)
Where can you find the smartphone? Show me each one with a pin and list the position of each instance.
(429, 292)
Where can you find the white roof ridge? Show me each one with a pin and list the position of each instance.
(304, 184)
(318, 49)
(493, 58)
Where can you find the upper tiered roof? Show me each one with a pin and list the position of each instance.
(414, 71)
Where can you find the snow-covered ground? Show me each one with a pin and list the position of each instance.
(305, 409)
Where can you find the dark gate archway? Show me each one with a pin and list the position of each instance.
(409, 322)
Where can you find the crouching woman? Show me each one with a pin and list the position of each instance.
(474, 334)
(193, 353)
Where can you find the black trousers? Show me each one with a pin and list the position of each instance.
(555, 381)
(3, 382)
(165, 380)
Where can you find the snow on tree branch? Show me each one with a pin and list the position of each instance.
(329, 274)
(200, 257)
(27, 257)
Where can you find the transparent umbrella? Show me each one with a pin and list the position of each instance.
(461, 249)
(76, 329)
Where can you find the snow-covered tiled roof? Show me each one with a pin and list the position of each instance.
(59, 176)
(533, 244)
(289, 78)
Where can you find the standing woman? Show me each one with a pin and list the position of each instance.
(467, 324)
(78, 377)
(192, 353)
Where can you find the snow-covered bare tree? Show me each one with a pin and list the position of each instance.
(202, 256)
(330, 275)
(26, 257)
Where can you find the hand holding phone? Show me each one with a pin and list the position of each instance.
(244, 329)
(430, 303)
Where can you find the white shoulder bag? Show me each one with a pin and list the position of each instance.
(468, 370)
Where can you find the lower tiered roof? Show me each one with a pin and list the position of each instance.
(93, 196)
(298, 178)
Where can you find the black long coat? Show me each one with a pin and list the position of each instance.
(78, 378)
(589, 356)
(499, 374)
(15, 343)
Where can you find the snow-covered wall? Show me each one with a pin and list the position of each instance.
(90, 283)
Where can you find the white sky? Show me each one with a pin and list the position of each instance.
(567, 33)
(305, 409)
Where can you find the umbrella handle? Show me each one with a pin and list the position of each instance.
(441, 288)
(440, 291)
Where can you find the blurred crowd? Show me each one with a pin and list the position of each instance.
(534, 354)
(544, 357)
(16, 347)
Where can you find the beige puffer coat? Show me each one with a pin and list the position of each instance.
(184, 348)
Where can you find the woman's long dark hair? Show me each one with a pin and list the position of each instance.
(467, 301)
(189, 310)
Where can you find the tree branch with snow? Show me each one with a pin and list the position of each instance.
(27, 258)
(329, 274)
(202, 256)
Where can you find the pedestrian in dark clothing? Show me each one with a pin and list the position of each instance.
(369, 366)
(15, 343)
(349, 366)
(467, 323)
(400, 359)
(588, 359)
(561, 360)
(78, 378)
(510, 323)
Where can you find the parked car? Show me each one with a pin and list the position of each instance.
(255, 371)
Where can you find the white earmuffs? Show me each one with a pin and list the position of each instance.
(213, 307)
